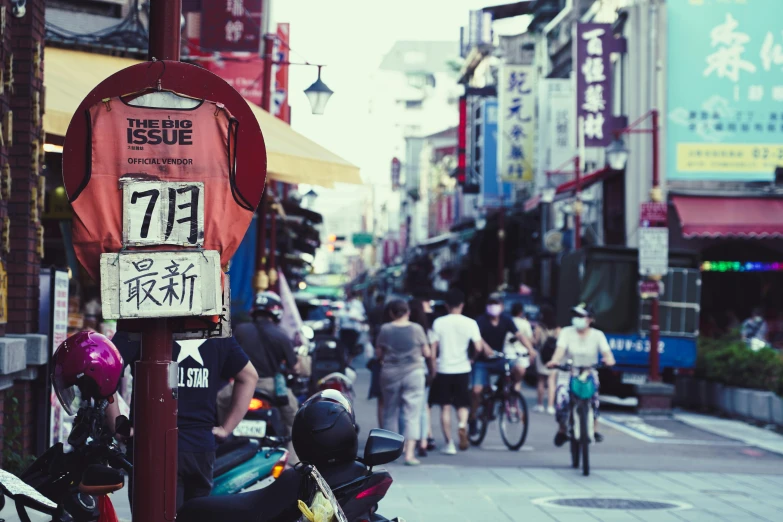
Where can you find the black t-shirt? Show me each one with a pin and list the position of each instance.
(267, 346)
(205, 366)
(495, 336)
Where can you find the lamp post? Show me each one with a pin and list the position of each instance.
(318, 94)
(617, 158)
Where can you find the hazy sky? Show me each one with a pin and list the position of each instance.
(351, 37)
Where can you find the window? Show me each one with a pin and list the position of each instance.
(414, 104)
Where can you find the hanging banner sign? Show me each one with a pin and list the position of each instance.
(246, 75)
(3, 293)
(516, 123)
(653, 251)
(280, 107)
(594, 43)
(59, 420)
(556, 127)
(231, 25)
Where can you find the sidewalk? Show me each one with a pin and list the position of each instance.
(733, 429)
(452, 493)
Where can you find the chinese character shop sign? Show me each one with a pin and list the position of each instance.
(594, 44)
(231, 25)
(516, 122)
(725, 94)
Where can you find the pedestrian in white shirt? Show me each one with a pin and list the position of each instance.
(451, 387)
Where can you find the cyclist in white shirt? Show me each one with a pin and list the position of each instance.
(451, 387)
(583, 345)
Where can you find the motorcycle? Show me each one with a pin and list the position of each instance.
(243, 464)
(77, 482)
(356, 486)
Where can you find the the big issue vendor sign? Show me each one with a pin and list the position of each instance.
(164, 165)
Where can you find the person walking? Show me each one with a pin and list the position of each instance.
(454, 334)
(404, 347)
(419, 310)
(583, 345)
(546, 335)
(378, 317)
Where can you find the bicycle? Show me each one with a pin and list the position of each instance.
(501, 399)
(581, 389)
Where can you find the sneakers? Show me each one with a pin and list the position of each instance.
(431, 444)
(550, 410)
(449, 449)
(538, 408)
(560, 439)
(598, 437)
(421, 452)
(464, 444)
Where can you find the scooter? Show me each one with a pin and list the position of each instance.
(355, 485)
(243, 464)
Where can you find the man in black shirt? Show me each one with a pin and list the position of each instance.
(495, 326)
(205, 367)
(269, 348)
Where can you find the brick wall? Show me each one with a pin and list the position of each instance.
(22, 52)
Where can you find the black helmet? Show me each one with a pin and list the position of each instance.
(268, 304)
(324, 431)
(582, 310)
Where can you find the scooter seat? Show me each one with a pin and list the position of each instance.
(234, 454)
(274, 502)
(343, 474)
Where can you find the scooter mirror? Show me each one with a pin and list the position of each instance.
(382, 447)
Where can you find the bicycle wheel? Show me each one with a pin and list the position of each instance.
(575, 452)
(483, 414)
(513, 420)
(585, 440)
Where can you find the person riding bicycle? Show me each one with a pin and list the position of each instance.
(494, 326)
(581, 344)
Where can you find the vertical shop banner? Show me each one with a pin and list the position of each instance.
(556, 127)
(516, 122)
(3, 293)
(493, 191)
(231, 25)
(280, 107)
(245, 75)
(59, 421)
(396, 167)
(594, 44)
(725, 94)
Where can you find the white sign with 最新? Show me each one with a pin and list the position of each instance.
(162, 213)
(653, 251)
(161, 284)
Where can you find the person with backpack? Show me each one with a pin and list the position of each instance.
(546, 335)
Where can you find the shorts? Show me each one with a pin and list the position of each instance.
(483, 369)
(450, 389)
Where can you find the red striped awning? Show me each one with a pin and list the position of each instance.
(703, 216)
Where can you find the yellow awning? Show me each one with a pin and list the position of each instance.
(291, 158)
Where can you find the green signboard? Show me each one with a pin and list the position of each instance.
(362, 238)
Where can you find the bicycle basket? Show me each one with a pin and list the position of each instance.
(583, 389)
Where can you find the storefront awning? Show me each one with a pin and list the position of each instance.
(703, 216)
(291, 158)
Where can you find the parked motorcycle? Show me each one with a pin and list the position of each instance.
(355, 485)
(243, 464)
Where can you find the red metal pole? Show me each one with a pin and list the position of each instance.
(261, 235)
(273, 238)
(165, 27)
(155, 387)
(577, 209)
(655, 328)
(266, 94)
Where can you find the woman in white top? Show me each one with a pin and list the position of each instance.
(582, 344)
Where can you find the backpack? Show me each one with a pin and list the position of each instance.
(548, 349)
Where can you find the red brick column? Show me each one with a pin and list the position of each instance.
(26, 159)
(21, 110)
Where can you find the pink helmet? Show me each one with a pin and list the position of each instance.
(89, 362)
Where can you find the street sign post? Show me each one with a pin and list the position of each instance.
(169, 215)
(653, 265)
(653, 251)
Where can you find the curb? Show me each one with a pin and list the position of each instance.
(736, 430)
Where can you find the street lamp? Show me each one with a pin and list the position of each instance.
(308, 199)
(318, 94)
(617, 154)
